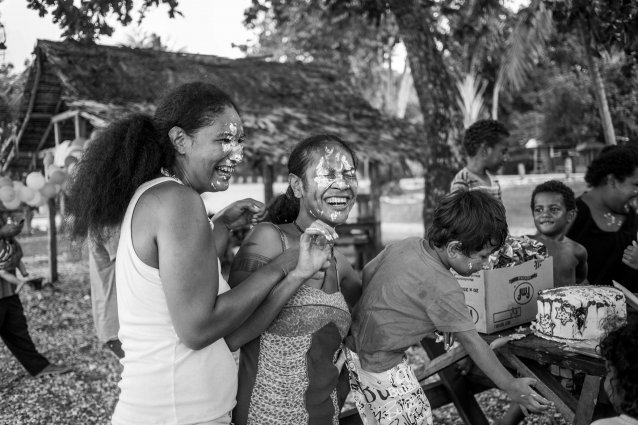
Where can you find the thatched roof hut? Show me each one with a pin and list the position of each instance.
(80, 86)
(72, 88)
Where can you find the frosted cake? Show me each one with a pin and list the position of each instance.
(578, 313)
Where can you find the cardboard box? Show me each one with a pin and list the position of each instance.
(502, 298)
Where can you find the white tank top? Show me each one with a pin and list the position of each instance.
(163, 381)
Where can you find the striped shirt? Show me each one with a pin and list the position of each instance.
(467, 180)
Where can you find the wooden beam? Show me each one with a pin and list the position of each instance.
(268, 173)
(53, 246)
(588, 399)
(57, 132)
(546, 385)
(65, 115)
(41, 115)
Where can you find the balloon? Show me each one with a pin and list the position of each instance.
(35, 180)
(50, 170)
(12, 205)
(61, 153)
(48, 159)
(58, 176)
(78, 143)
(37, 199)
(69, 161)
(5, 181)
(7, 194)
(48, 190)
(26, 194)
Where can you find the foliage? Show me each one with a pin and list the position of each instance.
(310, 31)
(87, 20)
(470, 98)
(608, 24)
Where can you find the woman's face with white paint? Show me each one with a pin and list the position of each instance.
(330, 185)
(212, 152)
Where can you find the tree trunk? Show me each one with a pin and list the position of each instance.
(405, 88)
(599, 91)
(434, 88)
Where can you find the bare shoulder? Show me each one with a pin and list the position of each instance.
(264, 238)
(577, 248)
(171, 201)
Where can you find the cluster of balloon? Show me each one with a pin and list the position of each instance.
(39, 188)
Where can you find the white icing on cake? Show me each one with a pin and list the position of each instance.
(578, 313)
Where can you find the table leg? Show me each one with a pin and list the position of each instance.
(588, 399)
(457, 387)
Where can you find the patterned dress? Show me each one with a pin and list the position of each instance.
(288, 374)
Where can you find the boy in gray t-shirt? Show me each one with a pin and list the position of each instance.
(408, 293)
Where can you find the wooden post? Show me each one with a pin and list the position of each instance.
(268, 172)
(53, 248)
(375, 204)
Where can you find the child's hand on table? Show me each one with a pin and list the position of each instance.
(521, 392)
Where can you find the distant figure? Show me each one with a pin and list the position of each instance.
(104, 295)
(13, 324)
(554, 209)
(485, 144)
(620, 350)
(605, 224)
(408, 293)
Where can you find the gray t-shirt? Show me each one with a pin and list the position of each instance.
(407, 295)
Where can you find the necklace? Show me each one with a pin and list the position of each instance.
(612, 220)
(298, 226)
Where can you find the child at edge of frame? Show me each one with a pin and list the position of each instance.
(401, 305)
(620, 350)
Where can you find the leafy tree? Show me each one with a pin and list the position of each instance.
(86, 20)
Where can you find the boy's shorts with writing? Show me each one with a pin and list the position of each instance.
(393, 397)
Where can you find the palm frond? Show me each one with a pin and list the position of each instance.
(524, 46)
(470, 99)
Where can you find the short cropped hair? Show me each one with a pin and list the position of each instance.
(474, 218)
(555, 186)
(619, 161)
(483, 132)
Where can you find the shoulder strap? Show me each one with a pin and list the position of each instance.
(282, 236)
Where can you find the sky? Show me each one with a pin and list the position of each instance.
(206, 27)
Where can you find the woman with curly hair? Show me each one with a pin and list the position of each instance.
(620, 350)
(174, 307)
(605, 224)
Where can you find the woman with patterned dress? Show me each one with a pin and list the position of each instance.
(290, 347)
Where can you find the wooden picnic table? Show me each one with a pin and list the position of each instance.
(527, 356)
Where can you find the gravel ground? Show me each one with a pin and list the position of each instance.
(61, 325)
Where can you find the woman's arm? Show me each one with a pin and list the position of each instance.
(186, 255)
(262, 244)
(350, 280)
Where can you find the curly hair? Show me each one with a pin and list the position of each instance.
(285, 208)
(483, 132)
(620, 349)
(619, 161)
(132, 151)
(473, 218)
(555, 186)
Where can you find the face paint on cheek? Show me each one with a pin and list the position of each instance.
(470, 266)
(321, 176)
(234, 150)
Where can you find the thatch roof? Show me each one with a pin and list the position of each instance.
(280, 103)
